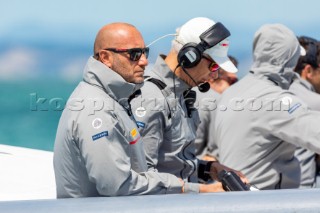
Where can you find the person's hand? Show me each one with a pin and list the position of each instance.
(216, 168)
(209, 158)
(214, 187)
(182, 185)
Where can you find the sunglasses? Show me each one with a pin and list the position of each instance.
(213, 66)
(135, 53)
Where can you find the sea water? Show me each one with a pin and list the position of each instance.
(30, 111)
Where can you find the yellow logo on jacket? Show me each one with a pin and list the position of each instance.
(134, 132)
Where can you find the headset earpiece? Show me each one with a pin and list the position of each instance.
(189, 55)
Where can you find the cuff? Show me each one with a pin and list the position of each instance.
(191, 187)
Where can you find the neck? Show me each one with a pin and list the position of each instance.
(172, 62)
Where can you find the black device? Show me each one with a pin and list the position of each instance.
(191, 53)
(190, 97)
(232, 182)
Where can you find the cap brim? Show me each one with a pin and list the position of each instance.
(225, 63)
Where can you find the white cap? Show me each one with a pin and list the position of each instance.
(191, 31)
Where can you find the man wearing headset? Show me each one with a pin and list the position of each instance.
(164, 112)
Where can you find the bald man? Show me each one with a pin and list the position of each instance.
(98, 150)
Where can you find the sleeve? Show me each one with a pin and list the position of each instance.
(106, 152)
(151, 112)
(292, 121)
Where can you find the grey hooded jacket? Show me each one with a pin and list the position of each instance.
(98, 150)
(305, 91)
(264, 122)
(167, 130)
(207, 106)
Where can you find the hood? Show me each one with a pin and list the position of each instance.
(98, 74)
(276, 51)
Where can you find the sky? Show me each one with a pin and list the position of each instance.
(55, 38)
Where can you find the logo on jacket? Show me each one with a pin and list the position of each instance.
(140, 124)
(133, 132)
(100, 135)
(286, 100)
(140, 112)
(294, 107)
(97, 123)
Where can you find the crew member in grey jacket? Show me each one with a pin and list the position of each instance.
(263, 122)
(164, 111)
(307, 87)
(98, 150)
(207, 103)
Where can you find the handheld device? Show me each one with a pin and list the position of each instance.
(232, 182)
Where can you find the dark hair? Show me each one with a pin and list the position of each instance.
(312, 57)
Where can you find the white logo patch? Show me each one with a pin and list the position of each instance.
(140, 112)
(97, 123)
(286, 100)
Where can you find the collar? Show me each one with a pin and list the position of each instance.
(163, 73)
(98, 74)
(305, 84)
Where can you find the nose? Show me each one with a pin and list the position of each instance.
(214, 75)
(143, 61)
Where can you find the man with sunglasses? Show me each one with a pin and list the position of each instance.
(307, 87)
(98, 150)
(164, 111)
(206, 148)
(226, 79)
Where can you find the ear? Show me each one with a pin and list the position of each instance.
(106, 58)
(306, 72)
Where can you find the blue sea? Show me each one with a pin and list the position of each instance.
(30, 111)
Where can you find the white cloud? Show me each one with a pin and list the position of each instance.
(18, 63)
(73, 70)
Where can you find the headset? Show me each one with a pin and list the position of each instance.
(191, 53)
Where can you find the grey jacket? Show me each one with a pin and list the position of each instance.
(207, 106)
(98, 150)
(264, 122)
(167, 130)
(305, 91)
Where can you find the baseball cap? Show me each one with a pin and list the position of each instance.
(191, 31)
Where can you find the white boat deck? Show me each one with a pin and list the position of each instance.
(27, 185)
(26, 174)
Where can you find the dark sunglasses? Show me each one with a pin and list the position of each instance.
(213, 66)
(135, 53)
